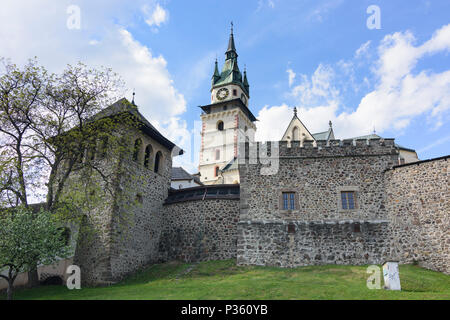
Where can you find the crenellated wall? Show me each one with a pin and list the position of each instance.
(321, 231)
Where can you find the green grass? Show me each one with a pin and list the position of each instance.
(224, 280)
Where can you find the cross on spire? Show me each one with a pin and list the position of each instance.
(295, 111)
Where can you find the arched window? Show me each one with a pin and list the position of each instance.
(220, 125)
(295, 134)
(217, 154)
(137, 149)
(158, 162)
(148, 156)
(216, 171)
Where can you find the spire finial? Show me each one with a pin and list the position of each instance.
(374, 131)
(231, 27)
(295, 111)
(331, 124)
(134, 93)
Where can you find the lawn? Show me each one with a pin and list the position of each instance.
(225, 280)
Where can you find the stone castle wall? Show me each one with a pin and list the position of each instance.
(300, 243)
(320, 232)
(123, 231)
(200, 229)
(418, 199)
(138, 219)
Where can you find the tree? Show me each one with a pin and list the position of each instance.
(27, 239)
(49, 132)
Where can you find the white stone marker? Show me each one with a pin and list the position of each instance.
(391, 276)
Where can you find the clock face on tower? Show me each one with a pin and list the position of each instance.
(222, 94)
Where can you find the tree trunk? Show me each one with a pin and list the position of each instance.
(9, 291)
(33, 278)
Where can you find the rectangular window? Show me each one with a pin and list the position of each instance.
(348, 200)
(288, 201)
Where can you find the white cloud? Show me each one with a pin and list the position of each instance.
(103, 40)
(262, 3)
(320, 12)
(400, 92)
(362, 50)
(318, 88)
(291, 76)
(155, 16)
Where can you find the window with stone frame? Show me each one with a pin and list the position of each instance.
(288, 201)
(348, 200)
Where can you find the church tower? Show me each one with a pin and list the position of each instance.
(225, 121)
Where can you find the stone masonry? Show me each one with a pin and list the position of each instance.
(317, 231)
(418, 200)
(200, 230)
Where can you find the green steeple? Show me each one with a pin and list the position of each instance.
(230, 72)
(231, 51)
(216, 75)
(246, 85)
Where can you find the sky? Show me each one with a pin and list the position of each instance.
(367, 66)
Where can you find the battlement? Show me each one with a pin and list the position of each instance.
(331, 148)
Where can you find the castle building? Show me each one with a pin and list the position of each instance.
(225, 121)
(328, 201)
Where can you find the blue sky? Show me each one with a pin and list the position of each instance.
(317, 55)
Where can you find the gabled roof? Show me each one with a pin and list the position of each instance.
(124, 106)
(296, 122)
(178, 173)
(324, 136)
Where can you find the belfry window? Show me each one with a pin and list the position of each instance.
(216, 171)
(234, 92)
(220, 126)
